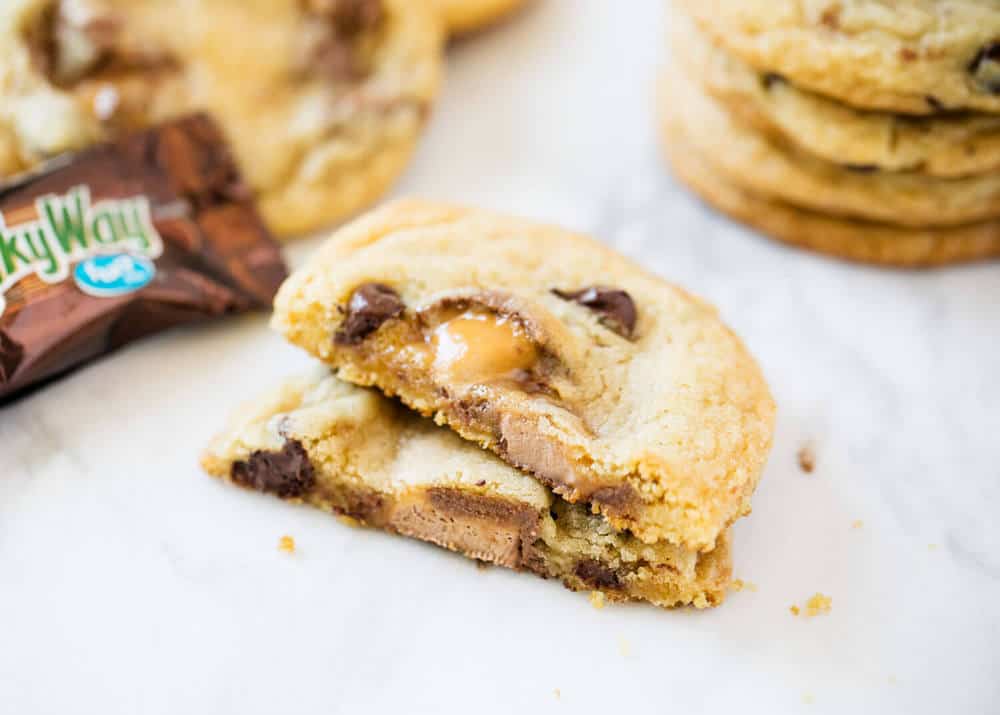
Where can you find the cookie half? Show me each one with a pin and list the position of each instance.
(859, 241)
(943, 146)
(915, 57)
(567, 360)
(464, 16)
(322, 100)
(353, 452)
(773, 168)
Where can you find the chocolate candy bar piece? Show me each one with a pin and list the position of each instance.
(123, 240)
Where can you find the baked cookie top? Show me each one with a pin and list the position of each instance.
(343, 448)
(945, 146)
(565, 358)
(321, 99)
(916, 57)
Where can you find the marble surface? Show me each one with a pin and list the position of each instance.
(130, 583)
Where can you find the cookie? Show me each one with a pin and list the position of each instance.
(569, 361)
(322, 100)
(463, 16)
(914, 57)
(858, 241)
(944, 146)
(353, 452)
(772, 168)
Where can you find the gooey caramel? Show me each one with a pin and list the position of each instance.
(479, 347)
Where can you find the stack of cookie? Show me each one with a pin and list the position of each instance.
(863, 129)
(595, 424)
(322, 101)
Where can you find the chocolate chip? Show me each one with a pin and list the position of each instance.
(772, 78)
(934, 103)
(616, 307)
(597, 575)
(985, 68)
(11, 353)
(287, 473)
(337, 55)
(370, 305)
(862, 168)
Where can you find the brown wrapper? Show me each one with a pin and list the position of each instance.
(123, 240)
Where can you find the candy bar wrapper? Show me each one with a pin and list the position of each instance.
(123, 240)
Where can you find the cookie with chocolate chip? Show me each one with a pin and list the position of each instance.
(607, 384)
(463, 16)
(849, 239)
(771, 167)
(321, 100)
(947, 146)
(351, 451)
(913, 57)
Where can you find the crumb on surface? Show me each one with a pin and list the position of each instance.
(818, 604)
(807, 459)
(349, 521)
(740, 585)
(597, 600)
(287, 544)
(624, 648)
(857, 524)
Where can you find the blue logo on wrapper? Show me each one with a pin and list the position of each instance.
(113, 275)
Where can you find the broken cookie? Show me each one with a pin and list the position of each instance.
(608, 385)
(351, 451)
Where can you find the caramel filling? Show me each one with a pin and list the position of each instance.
(481, 347)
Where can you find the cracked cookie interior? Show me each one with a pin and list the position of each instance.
(609, 386)
(352, 451)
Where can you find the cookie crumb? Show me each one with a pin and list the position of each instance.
(740, 585)
(557, 693)
(624, 648)
(597, 599)
(793, 609)
(349, 521)
(807, 459)
(818, 604)
(857, 524)
(287, 544)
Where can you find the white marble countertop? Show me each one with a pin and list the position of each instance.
(130, 583)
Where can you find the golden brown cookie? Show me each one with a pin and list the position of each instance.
(912, 56)
(773, 168)
(608, 384)
(462, 16)
(348, 450)
(860, 241)
(952, 145)
(322, 100)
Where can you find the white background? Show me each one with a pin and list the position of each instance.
(131, 583)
